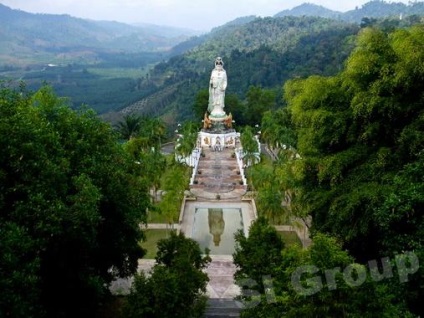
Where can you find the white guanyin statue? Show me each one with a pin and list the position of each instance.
(217, 86)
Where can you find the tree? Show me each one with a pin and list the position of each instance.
(70, 207)
(359, 135)
(277, 129)
(129, 127)
(177, 283)
(187, 140)
(270, 204)
(235, 107)
(257, 255)
(153, 130)
(175, 183)
(200, 105)
(151, 163)
(402, 222)
(321, 281)
(251, 151)
(258, 101)
(269, 194)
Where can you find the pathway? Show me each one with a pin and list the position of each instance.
(217, 184)
(218, 175)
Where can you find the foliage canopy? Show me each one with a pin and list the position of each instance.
(70, 207)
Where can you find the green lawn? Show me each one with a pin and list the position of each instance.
(152, 238)
(158, 217)
(290, 238)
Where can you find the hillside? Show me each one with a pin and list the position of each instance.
(382, 9)
(114, 67)
(307, 40)
(310, 9)
(371, 9)
(263, 52)
(27, 38)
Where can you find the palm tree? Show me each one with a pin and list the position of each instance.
(153, 129)
(250, 144)
(187, 140)
(269, 202)
(129, 127)
(174, 186)
(277, 129)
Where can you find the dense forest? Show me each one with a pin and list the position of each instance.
(374, 9)
(155, 70)
(75, 193)
(350, 157)
(261, 52)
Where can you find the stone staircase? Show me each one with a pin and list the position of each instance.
(222, 308)
(221, 289)
(218, 173)
(220, 170)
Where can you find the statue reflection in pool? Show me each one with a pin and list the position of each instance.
(216, 224)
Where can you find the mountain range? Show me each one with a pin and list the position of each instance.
(159, 70)
(372, 9)
(27, 38)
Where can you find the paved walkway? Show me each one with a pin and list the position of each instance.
(218, 177)
(219, 185)
(220, 272)
(221, 278)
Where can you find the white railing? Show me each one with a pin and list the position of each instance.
(195, 156)
(239, 156)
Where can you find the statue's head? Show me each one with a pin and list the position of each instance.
(219, 62)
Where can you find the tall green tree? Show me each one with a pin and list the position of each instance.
(70, 207)
(129, 127)
(151, 163)
(177, 285)
(200, 105)
(153, 130)
(251, 151)
(257, 255)
(277, 129)
(235, 107)
(258, 101)
(175, 183)
(360, 133)
(187, 139)
(321, 281)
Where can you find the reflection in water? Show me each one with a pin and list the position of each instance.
(208, 228)
(216, 224)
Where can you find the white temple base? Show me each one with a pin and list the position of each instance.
(219, 140)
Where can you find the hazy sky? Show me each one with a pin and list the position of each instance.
(193, 14)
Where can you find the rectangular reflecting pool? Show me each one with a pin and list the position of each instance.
(214, 228)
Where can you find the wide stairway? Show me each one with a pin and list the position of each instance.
(218, 174)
